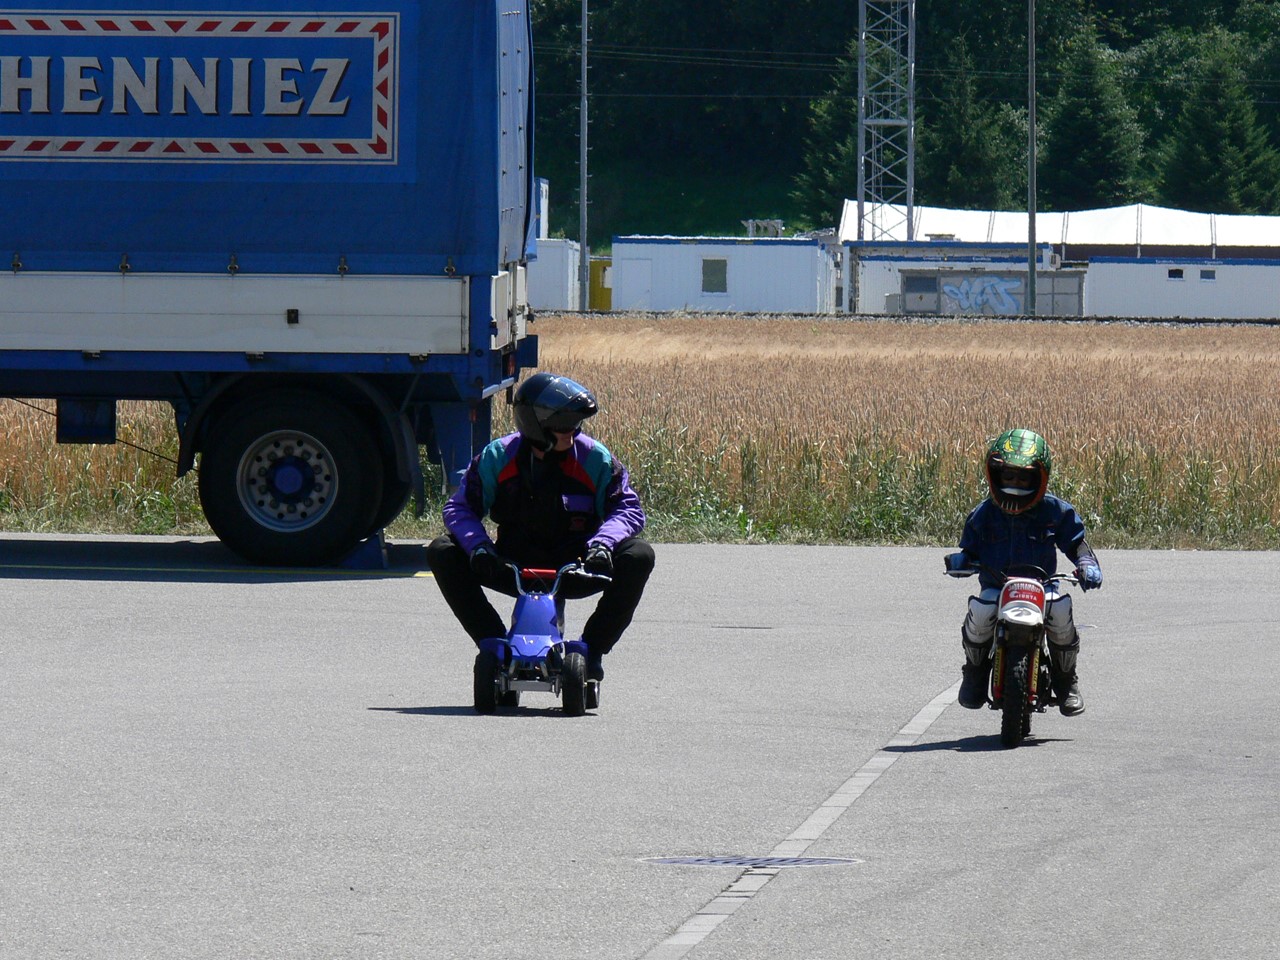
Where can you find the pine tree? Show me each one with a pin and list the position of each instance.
(971, 151)
(830, 167)
(1218, 158)
(1093, 143)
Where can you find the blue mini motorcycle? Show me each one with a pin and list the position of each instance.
(534, 654)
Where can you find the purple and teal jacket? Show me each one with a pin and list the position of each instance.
(549, 514)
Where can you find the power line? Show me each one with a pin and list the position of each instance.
(825, 64)
(830, 63)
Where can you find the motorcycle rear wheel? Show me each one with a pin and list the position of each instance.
(573, 685)
(1015, 706)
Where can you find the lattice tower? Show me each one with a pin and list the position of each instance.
(886, 119)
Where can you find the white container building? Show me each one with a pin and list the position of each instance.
(1183, 288)
(948, 277)
(1129, 261)
(553, 275)
(725, 274)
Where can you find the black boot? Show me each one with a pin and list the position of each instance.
(976, 675)
(1062, 674)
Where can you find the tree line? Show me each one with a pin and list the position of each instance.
(701, 112)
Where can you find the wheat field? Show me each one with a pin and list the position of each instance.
(848, 430)
(126, 487)
(820, 430)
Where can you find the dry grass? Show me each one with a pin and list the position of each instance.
(126, 487)
(832, 429)
(809, 429)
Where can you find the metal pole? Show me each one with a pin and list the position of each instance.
(1031, 158)
(584, 252)
(911, 121)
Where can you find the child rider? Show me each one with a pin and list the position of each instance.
(1021, 524)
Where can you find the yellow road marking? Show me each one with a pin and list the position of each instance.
(245, 571)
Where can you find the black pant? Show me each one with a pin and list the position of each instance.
(632, 564)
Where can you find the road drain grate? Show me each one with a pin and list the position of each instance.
(761, 863)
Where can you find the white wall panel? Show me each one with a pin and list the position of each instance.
(763, 276)
(1200, 289)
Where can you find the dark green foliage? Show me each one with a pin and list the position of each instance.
(1257, 25)
(1155, 74)
(683, 90)
(971, 151)
(830, 166)
(1218, 157)
(1128, 21)
(704, 114)
(1093, 148)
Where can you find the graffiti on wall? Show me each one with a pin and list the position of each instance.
(986, 294)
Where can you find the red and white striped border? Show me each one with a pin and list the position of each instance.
(381, 29)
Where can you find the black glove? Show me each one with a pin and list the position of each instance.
(488, 564)
(599, 560)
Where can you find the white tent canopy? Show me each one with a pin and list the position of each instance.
(1130, 225)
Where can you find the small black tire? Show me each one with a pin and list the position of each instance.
(573, 685)
(509, 699)
(485, 686)
(1015, 706)
(290, 478)
(593, 694)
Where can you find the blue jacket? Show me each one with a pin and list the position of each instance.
(999, 540)
(549, 515)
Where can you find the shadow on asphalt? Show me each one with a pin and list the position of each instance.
(512, 713)
(167, 560)
(985, 744)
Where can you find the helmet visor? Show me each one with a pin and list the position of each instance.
(1018, 481)
(560, 421)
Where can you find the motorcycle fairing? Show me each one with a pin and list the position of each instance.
(1022, 602)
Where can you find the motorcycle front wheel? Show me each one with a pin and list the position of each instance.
(1015, 703)
(573, 685)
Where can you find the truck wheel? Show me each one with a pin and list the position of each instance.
(395, 494)
(290, 479)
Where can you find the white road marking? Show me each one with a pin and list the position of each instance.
(751, 881)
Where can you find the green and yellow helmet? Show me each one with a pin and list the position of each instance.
(1018, 467)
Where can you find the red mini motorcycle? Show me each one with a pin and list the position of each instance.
(1020, 683)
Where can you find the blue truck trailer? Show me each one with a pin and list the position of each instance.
(302, 226)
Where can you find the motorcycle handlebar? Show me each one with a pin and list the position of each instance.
(573, 569)
(1003, 575)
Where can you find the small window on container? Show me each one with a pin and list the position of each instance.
(1175, 273)
(715, 275)
(1208, 274)
(919, 284)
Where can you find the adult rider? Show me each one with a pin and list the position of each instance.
(556, 495)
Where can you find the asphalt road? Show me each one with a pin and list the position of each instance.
(204, 760)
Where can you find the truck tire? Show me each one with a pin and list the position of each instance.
(290, 478)
(395, 495)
